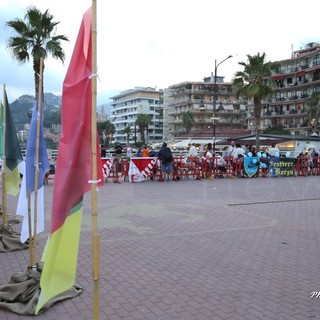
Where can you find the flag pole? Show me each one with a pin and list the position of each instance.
(30, 233)
(95, 235)
(4, 191)
(36, 171)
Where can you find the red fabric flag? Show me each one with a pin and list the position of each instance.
(73, 171)
(74, 163)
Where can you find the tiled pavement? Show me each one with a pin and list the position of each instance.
(196, 250)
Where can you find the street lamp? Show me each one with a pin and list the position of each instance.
(215, 96)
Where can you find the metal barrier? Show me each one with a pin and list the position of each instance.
(115, 168)
(186, 167)
(211, 168)
(302, 166)
(199, 167)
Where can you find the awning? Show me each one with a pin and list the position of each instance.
(182, 144)
(300, 73)
(276, 78)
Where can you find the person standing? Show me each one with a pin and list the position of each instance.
(103, 151)
(209, 151)
(193, 151)
(129, 151)
(231, 149)
(166, 157)
(118, 151)
(145, 151)
(274, 151)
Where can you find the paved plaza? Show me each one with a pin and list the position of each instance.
(195, 250)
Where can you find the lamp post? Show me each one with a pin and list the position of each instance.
(215, 94)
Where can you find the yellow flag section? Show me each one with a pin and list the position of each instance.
(12, 181)
(10, 151)
(61, 248)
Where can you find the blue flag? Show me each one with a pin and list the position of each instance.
(43, 164)
(28, 181)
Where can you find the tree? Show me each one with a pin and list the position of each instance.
(254, 82)
(105, 130)
(314, 109)
(277, 130)
(143, 121)
(188, 120)
(34, 39)
(127, 131)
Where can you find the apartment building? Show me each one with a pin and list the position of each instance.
(297, 78)
(125, 108)
(197, 98)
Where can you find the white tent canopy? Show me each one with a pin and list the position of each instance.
(185, 143)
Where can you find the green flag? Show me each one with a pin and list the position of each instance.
(9, 149)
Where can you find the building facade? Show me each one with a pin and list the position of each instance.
(198, 99)
(297, 78)
(125, 108)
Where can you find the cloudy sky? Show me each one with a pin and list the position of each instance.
(161, 43)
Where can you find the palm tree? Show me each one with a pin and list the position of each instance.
(127, 131)
(254, 82)
(143, 121)
(314, 109)
(105, 131)
(34, 39)
(188, 120)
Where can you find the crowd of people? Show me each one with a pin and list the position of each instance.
(214, 162)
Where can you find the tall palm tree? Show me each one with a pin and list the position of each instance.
(143, 121)
(314, 109)
(254, 82)
(35, 39)
(188, 120)
(127, 131)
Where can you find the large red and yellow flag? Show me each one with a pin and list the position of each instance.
(73, 170)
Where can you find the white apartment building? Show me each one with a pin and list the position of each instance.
(125, 108)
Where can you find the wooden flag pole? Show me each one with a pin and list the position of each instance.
(4, 187)
(36, 171)
(30, 233)
(95, 235)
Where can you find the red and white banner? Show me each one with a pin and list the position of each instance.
(141, 168)
(107, 164)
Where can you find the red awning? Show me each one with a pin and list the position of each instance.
(275, 78)
(300, 73)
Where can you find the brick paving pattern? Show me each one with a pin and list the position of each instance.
(195, 250)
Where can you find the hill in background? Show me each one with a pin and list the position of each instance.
(22, 107)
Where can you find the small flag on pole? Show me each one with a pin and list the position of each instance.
(28, 181)
(9, 149)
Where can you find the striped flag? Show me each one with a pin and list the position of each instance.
(28, 181)
(9, 149)
(73, 171)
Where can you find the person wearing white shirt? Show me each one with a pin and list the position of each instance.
(231, 149)
(193, 151)
(274, 151)
(129, 151)
(238, 151)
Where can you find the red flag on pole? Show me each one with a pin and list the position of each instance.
(73, 170)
